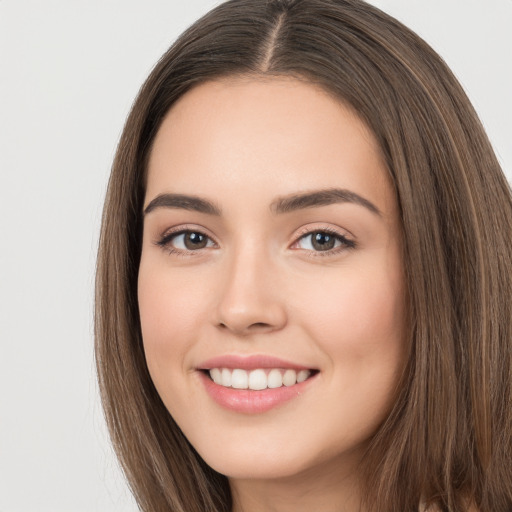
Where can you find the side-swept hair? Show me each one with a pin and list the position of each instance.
(448, 437)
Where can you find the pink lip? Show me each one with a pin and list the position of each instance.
(249, 363)
(248, 401)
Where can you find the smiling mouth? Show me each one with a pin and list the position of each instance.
(259, 378)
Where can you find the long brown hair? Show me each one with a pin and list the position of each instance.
(448, 437)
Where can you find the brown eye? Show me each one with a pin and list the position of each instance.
(185, 241)
(322, 241)
(193, 240)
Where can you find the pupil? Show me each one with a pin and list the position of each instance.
(195, 241)
(323, 241)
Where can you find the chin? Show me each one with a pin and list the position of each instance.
(255, 469)
(275, 460)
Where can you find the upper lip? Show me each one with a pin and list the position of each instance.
(249, 362)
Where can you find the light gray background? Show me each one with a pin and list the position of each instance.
(69, 70)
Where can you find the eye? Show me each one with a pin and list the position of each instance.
(324, 241)
(185, 240)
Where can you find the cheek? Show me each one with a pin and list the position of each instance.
(170, 310)
(359, 323)
(358, 317)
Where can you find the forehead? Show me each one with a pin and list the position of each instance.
(263, 137)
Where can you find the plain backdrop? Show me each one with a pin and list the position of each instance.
(69, 71)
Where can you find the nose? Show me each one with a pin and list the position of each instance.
(250, 299)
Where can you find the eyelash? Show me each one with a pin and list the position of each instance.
(346, 243)
(165, 241)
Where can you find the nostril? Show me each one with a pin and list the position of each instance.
(259, 325)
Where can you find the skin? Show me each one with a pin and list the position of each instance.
(261, 287)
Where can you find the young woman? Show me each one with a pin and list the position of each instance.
(304, 274)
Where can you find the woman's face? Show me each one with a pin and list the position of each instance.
(271, 254)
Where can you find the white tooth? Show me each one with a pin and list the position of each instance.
(257, 380)
(290, 377)
(274, 378)
(226, 377)
(239, 379)
(303, 375)
(216, 375)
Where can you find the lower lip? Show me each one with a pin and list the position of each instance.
(248, 401)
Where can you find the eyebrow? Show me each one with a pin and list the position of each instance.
(183, 202)
(320, 198)
(281, 205)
